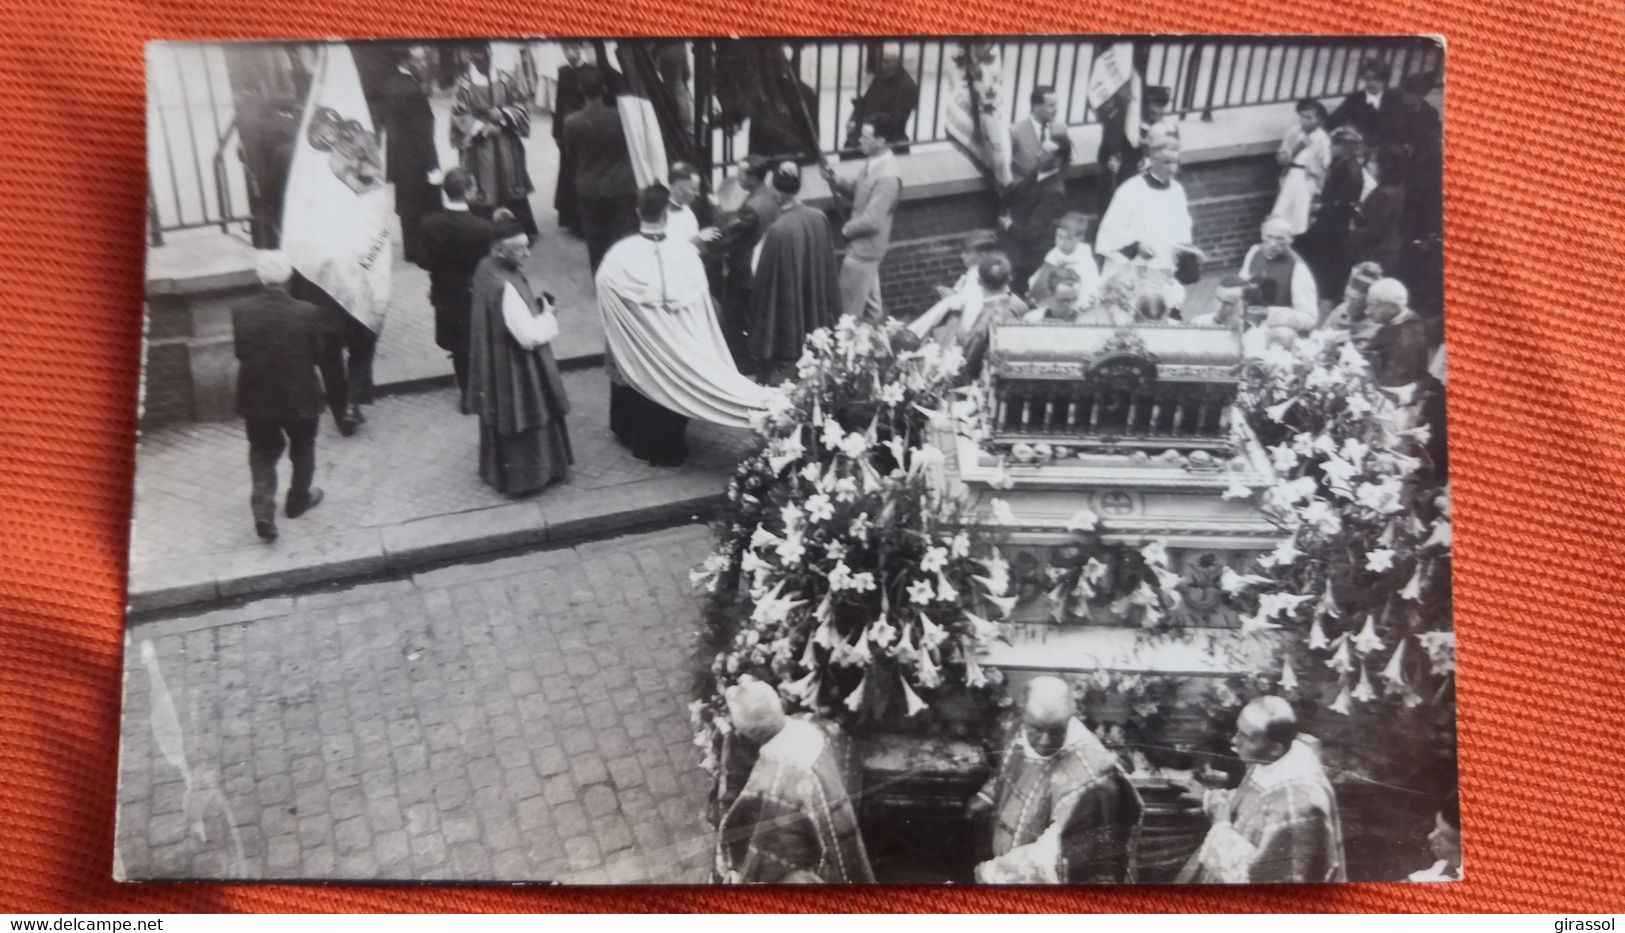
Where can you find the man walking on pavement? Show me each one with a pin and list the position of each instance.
(874, 194)
(452, 241)
(278, 345)
(606, 191)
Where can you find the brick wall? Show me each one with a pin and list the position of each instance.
(1229, 199)
(168, 380)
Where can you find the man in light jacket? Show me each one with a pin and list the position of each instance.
(874, 195)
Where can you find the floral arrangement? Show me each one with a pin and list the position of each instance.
(1364, 579)
(840, 575)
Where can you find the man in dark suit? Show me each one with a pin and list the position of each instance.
(606, 190)
(1373, 110)
(453, 241)
(278, 344)
(1034, 206)
(567, 100)
(410, 157)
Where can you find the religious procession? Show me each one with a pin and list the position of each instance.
(1096, 522)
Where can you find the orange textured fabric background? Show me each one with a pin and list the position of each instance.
(1535, 214)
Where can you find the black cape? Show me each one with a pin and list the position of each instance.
(796, 288)
(518, 393)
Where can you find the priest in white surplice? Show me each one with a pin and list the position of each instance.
(1149, 220)
(671, 359)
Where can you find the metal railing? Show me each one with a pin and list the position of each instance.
(195, 175)
(1204, 75)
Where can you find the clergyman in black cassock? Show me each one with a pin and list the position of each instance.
(797, 285)
(513, 379)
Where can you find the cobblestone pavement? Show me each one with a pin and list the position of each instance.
(524, 719)
(415, 457)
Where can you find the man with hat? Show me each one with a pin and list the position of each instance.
(794, 820)
(1062, 808)
(278, 340)
(796, 289)
(513, 380)
(1373, 109)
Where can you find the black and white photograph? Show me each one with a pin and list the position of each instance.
(695, 460)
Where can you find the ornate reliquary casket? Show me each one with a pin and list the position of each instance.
(1100, 441)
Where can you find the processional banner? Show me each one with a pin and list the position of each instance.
(336, 216)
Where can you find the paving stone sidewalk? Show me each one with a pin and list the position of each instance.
(523, 719)
(403, 491)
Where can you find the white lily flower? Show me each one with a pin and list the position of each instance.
(1368, 641)
(1283, 458)
(854, 446)
(1441, 650)
(854, 700)
(1284, 555)
(931, 634)
(1278, 411)
(973, 672)
(1379, 560)
(833, 434)
(981, 628)
(926, 670)
(1440, 537)
(803, 691)
(1363, 692)
(911, 699)
(819, 508)
(1394, 673)
(1413, 589)
(1342, 704)
(921, 592)
(1317, 637)
(1342, 660)
(934, 560)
